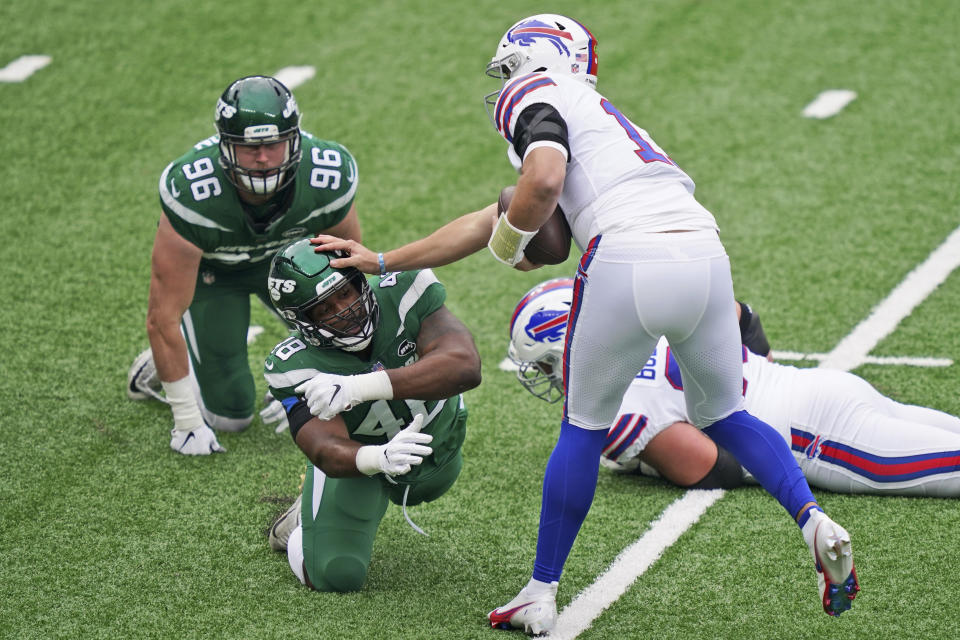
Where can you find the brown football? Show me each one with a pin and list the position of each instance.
(551, 245)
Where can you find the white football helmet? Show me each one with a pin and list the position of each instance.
(545, 42)
(537, 332)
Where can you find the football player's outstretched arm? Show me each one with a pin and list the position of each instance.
(457, 239)
(173, 274)
(449, 362)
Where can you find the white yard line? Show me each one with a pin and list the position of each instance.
(293, 77)
(577, 616)
(829, 103)
(23, 67)
(852, 351)
(919, 283)
(909, 361)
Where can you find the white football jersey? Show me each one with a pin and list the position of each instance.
(618, 179)
(845, 435)
(656, 393)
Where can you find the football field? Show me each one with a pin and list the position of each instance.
(838, 229)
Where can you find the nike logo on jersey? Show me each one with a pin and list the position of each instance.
(173, 189)
(268, 364)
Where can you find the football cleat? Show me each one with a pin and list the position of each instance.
(143, 382)
(197, 442)
(284, 526)
(833, 556)
(534, 610)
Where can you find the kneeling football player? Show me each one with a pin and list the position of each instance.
(370, 378)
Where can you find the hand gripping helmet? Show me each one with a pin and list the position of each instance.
(537, 332)
(545, 42)
(252, 111)
(302, 280)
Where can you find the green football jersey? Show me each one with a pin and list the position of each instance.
(405, 299)
(204, 207)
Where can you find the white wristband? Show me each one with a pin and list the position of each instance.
(368, 459)
(186, 411)
(372, 386)
(507, 242)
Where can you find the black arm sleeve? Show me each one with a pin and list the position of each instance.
(540, 122)
(751, 331)
(725, 474)
(298, 415)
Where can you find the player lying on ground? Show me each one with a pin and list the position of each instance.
(227, 206)
(370, 376)
(846, 436)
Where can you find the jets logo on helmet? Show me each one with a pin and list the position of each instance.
(537, 332)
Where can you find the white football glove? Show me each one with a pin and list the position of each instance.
(406, 449)
(329, 395)
(534, 609)
(190, 435)
(274, 413)
(200, 441)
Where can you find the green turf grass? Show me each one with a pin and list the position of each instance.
(104, 532)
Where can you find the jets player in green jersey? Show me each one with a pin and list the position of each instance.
(370, 378)
(227, 206)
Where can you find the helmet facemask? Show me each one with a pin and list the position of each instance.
(265, 180)
(352, 327)
(540, 377)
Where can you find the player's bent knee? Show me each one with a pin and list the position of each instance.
(725, 474)
(342, 574)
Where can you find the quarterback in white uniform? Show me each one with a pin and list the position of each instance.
(652, 266)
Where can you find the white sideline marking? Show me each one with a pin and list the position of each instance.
(23, 67)
(293, 77)
(851, 352)
(892, 360)
(829, 103)
(253, 331)
(508, 365)
(577, 616)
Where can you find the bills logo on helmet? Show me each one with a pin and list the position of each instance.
(547, 325)
(526, 33)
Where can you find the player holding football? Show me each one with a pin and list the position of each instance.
(846, 436)
(226, 207)
(370, 376)
(652, 265)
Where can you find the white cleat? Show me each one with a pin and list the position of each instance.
(534, 610)
(143, 382)
(284, 526)
(833, 555)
